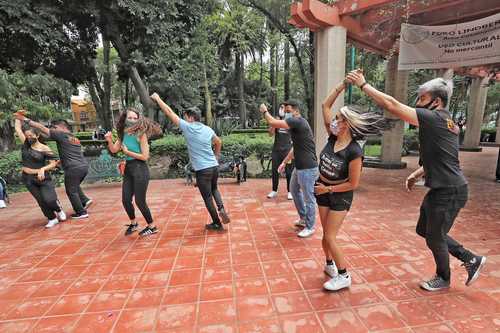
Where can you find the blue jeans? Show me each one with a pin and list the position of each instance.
(302, 189)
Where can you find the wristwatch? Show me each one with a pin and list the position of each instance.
(363, 85)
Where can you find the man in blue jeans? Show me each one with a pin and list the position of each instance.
(306, 164)
(204, 159)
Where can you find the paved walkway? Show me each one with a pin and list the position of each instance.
(258, 276)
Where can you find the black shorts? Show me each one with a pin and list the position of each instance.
(337, 201)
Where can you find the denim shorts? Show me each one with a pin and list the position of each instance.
(337, 201)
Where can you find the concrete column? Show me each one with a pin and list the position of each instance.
(475, 113)
(330, 49)
(396, 85)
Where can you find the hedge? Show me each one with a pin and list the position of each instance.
(175, 147)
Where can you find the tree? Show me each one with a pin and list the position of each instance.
(238, 30)
(279, 21)
(42, 94)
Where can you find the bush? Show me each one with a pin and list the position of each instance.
(175, 147)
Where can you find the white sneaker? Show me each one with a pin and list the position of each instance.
(300, 223)
(61, 216)
(341, 281)
(2, 204)
(52, 223)
(306, 232)
(331, 270)
(290, 196)
(272, 194)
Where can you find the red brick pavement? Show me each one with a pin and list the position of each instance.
(258, 276)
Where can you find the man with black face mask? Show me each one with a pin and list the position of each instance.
(438, 136)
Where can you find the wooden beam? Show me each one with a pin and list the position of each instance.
(320, 13)
(389, 12)
(468, 11)
(299, 10)
(353, 7)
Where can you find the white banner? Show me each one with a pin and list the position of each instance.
(447, 46)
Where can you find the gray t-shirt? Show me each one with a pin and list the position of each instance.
(439, 147)
(70, 149)
(304, 148)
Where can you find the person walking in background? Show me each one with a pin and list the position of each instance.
(281, 148)
(204, 159)
(306, 164)
(133, 133)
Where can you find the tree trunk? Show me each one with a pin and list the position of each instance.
(240, 73)
(106, 98)
(140, 88)
(272, 77)
(127, 93)
(208, 97)
(286, 79)
(310, 100)
(7, 140)
(133, 73)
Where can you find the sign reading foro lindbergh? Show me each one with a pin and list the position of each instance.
(457, 45)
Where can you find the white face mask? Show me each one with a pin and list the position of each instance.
(288, 115)
(281, 112)
(334, 127)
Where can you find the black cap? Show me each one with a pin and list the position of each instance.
(292, 102)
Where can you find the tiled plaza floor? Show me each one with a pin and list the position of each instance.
(86, 276)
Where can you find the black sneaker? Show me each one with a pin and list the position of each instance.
(214, 226)
(80, 216)
(473, 267)
(88, 204)
(435, 284)
(132, 227)
(224, 217)
(148, 231)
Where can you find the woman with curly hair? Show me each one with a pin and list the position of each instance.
(133, 133)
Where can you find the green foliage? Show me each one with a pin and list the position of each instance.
(43, 95)
(175, 147)
(372, 150)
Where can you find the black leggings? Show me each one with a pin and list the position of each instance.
(44, 193)
(206, 180)
(277, 158)
(135, 184)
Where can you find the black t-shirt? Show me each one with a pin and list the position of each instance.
(70, 149)
(335, 165)
(439, 147)
(35, 159)
(304, 148)
(282, 140)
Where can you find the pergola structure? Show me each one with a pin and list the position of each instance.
(375, 25)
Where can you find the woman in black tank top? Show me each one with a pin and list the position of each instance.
(37, 160)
